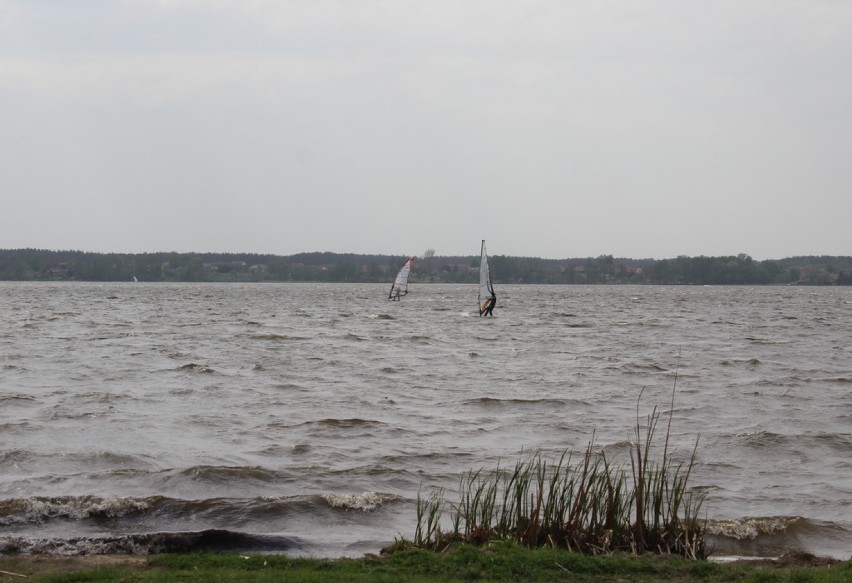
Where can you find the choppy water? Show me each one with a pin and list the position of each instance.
(304, 417)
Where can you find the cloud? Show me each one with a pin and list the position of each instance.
(558, 127)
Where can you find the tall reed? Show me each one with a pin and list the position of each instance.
(428, 532)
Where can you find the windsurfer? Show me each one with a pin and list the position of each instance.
(489, 306)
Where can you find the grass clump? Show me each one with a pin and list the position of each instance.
(497, 562)
(587, 505)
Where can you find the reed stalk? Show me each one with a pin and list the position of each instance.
(429, 510)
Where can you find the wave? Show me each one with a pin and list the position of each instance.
(643, 367)
(14, 456)
(758, 340)
(196, 368)
(352, 423)
(365, 502)
(90, 460)
(775, 535)
(837, 380)
(842, 442)
(289, 387)
(752, 527)
(153, 543)
(492, 401)
(217, 474)
(749, 361)
(200, 479)
(553, 315)
(16, 399)
(44, 509)
(275, 337)
(788, 381)
(40, 509)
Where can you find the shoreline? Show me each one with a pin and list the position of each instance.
(36, 566)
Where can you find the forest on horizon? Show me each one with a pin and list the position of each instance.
(48, 265)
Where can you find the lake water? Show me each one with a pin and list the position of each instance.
(303, 418)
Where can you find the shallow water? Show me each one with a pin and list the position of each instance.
(305, 417)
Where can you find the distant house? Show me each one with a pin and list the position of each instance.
(59, 271)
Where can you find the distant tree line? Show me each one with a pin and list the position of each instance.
(46, 265)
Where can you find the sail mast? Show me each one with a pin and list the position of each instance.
(486, 287)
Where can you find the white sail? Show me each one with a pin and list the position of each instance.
(400, 284)
(487, 297)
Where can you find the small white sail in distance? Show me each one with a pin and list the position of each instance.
(486, 286)
(400, 284)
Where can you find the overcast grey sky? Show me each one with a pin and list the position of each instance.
(549, 128)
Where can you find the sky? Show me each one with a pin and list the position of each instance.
(549, 128)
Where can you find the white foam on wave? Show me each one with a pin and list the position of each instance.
(751, 527)
(736, 558)
(37, 509)
(366, 502)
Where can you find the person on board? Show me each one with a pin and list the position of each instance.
(489, 306)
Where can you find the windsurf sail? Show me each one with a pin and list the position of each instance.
(400, 284)
(487, 297)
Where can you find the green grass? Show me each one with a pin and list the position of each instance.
(495, 562)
